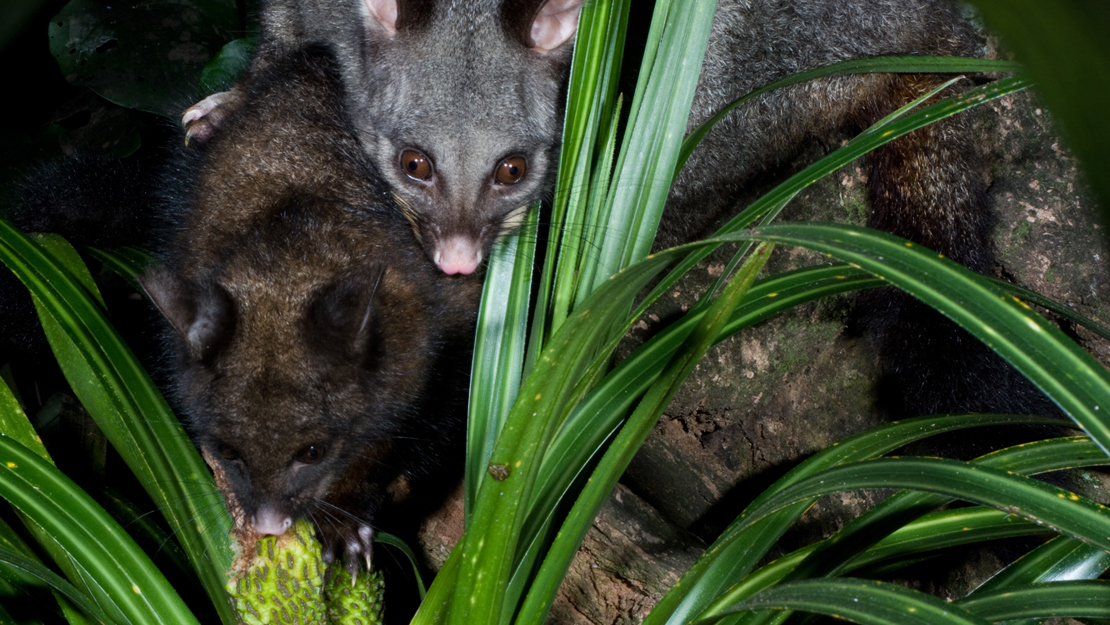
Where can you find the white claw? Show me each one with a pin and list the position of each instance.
(366, 535)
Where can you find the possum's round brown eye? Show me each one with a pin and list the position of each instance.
(416, 165)
(511, 170)
(311, 454)
(227, 451)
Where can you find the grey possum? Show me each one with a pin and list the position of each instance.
(458, 103)
(320, 359)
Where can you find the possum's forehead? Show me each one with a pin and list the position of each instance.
(484, 90)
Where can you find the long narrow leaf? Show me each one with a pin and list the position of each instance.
(127, 262)
(128, 408)
(32, 568)
(491, 542)
(835, 554)
(862, 601)
(645, 167)
(1082, 599)
(631, 437)
(129, 586)
(498, 347)
(1022, 496)
(1067, 374)
(15, 425)
(1033, 297)
(932, 532)
(740, 548)
(1061, 559)
(593, 76)
(602, 411)
(571, 255)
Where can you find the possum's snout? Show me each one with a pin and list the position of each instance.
(458, 255)
(266, 520)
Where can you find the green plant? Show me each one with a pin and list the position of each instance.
(546, 414)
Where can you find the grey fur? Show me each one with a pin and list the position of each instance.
(755, 42)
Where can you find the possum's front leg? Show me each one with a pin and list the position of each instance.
(352, 538)
(203, 118)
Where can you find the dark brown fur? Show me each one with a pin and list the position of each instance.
(319, 357)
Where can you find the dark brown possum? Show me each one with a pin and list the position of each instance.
(318, 355)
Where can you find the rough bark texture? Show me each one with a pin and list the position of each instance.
(762, 401)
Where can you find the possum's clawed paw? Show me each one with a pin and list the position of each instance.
(359, 550)
(203, 118)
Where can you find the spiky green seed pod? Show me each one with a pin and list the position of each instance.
(360, 603)
(281, 580)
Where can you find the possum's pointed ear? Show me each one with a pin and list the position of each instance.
(383, 14)
(554, 23)
(204, 317)
(390, 16)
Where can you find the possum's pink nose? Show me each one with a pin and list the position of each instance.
(266, 521)
(458, 254)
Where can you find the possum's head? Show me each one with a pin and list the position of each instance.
(301, 372)
(462, 112)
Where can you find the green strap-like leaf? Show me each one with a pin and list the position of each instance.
(393, 541)
(1061, 559)
(490, 541)
(631, 437)
(128, 408)
(129, 586)
(594, 71)
(861, 601)
(32, 568)
(15, 425)
(1080, 599)
(1060, 309)
(838, 553)
(1019, 495)
(743, 544)
(645, 167)
(1067, 374)
(498, 360)
(604, 409)
(71, 260)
